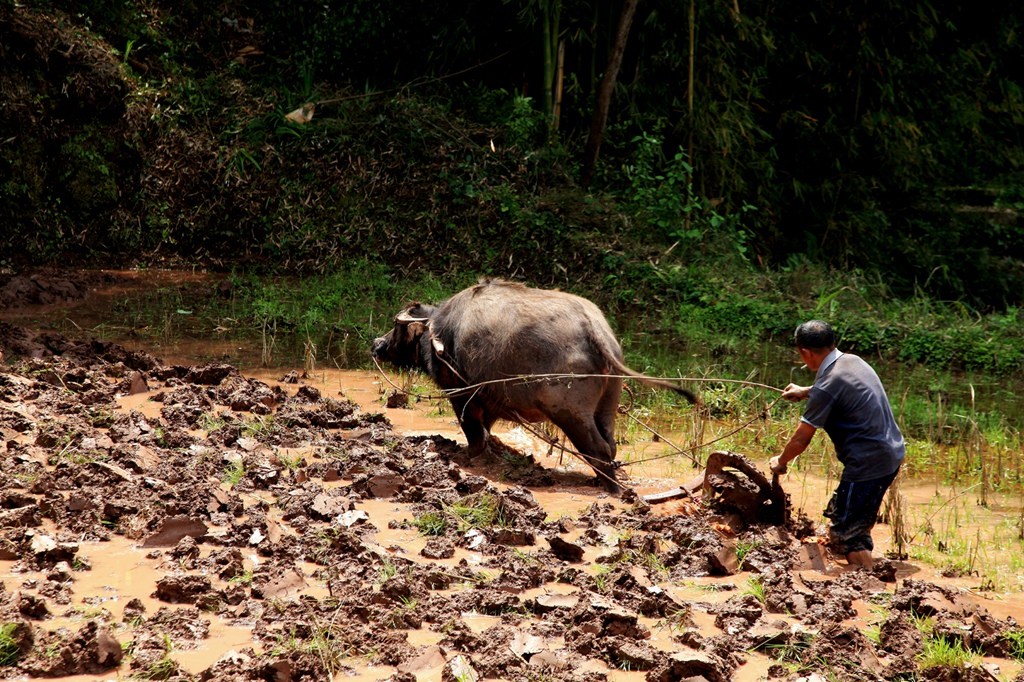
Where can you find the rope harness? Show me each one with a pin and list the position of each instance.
(625, 410)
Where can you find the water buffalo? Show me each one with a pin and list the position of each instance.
(496, 331)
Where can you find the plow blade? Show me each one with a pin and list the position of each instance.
(732, 482)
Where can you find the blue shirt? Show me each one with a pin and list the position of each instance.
(848, 401)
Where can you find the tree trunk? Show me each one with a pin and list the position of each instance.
(604, 92)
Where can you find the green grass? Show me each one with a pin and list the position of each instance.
(873, 631)
(243, 578)
(743, 548)
(208, 422)
(601, 578)
(292, 463)
(480, 510)
(9, 650)
(1016, 640)
(386, 571)
(163, 669)
(653, 562)
(431, 523)
(754, 586)
(924, 624)
(234, 473)
(260, 427)
(938, 652)
(327, 640)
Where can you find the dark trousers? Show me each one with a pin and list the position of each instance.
(853, 510)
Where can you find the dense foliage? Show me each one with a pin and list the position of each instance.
(883, 136)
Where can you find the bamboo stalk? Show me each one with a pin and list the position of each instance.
(689, 95)
(559, 76)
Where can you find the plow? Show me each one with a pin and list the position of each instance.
(731, 482)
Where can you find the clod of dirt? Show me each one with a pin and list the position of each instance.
(847, 648)
(211, 374)
(565, 551)
(459, 669)
(88, 471)
(173, 529)
(46, 552)
(633, 655)
(278, 585)
(32, 606)
(928, 599)
(546, 603)
(768, 634)
(61, 573)
(686, 665)
(899, 635)
(962, 673)
(725, 561)
(181, 589)
(385, 485)
(134, 384)
(750, 496)
(738, 613)
(93, 649)
(516, 537)
(438, 548)
(431, 657)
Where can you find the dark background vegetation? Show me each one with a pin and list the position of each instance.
(834, 157)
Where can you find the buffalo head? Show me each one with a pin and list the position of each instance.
(400, 346)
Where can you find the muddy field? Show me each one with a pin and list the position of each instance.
(187, 522)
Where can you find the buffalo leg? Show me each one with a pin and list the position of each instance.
(607, 409)
(473, 422)
(591, 443)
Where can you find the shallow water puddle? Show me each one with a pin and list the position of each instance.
(120, 572)
(406, 542)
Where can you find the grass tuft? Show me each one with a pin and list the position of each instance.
(9, 650)
(939, 652)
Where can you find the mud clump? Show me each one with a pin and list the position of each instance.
(93, 649)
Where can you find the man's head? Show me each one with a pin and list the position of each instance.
(815, 335)
(814, 341)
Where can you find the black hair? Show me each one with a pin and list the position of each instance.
(815, 335)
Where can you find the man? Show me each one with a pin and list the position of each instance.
(848, 401)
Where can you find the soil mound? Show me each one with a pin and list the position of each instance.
(48, 286)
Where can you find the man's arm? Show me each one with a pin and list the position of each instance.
(798, 442)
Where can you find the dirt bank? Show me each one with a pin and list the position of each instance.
(49, 287)
(191, 523)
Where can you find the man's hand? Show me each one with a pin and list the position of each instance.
(794, 393)
(776, 465)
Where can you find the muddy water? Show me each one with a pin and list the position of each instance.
(121, 571)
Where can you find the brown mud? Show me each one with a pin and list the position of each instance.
(190, 522)
(46, 287)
